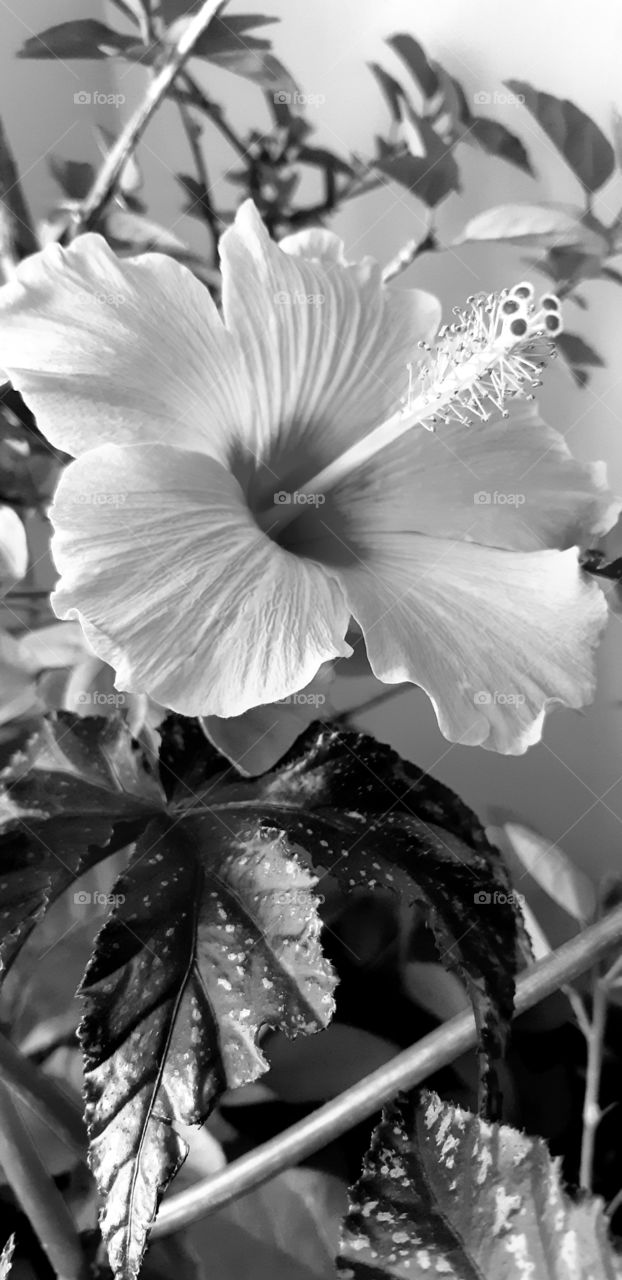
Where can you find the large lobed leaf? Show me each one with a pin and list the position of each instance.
(214, 934)
(444, 1193)
(79, 791)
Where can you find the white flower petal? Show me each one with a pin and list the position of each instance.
(13, 547)
(178, 589)
(492, 636)
(326, 344)
(122, 350)
(511, 484)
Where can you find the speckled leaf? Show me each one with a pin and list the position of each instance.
(583, 145)
(443, 1193)
(215, 935)
(372, 819)
(6, 1258)
(79, 791)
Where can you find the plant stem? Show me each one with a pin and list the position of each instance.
(193, 134)
(37, 1194)
(407, 254)
(195, 96)
(41, 1093)
(594, 1032)
(105, 182)
(405, 1071)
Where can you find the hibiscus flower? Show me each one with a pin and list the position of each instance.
(226, 516)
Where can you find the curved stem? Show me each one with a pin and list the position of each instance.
(38, 1195)
(106, 180)
(405, 1071)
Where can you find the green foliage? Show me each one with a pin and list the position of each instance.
(443, 1193)
(214, 932)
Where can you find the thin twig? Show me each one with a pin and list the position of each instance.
(407, 254)
(405, 1071)
(352, 713)
(38, 1195)
(194, 96)
(105, 182)
(44, 1096)
(193, 134)
(594, 1030)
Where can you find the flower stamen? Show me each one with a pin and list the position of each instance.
(492, 354)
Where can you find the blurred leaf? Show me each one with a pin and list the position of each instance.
(578, 355)
(330, 794)
(413, 57)
(553, 871)
(616, 127)
(6, 1258)
(431, 177)
(497, 140)
(583, 145)
(285, 1230)
(214, 936)
(443, 1193)
(321, 1067)
(610, 273)
(539, 942)
(568, 266)
(70, 799)
(82, 38)
(561, 224)
(173, 1256)
(434, 989)
(74, 177)
(13, 548)
(322, 158)
(392, 90)
(128, 230)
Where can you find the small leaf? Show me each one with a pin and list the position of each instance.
(579, 356)
(530, 222)
(392, 90)
(215, 936)
(553, 871)
(583, 145)
(431, 176)
(412, 55)
(82, 38)
(443, 1193)
(497, 140)
(74, 177)
(79, 791)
